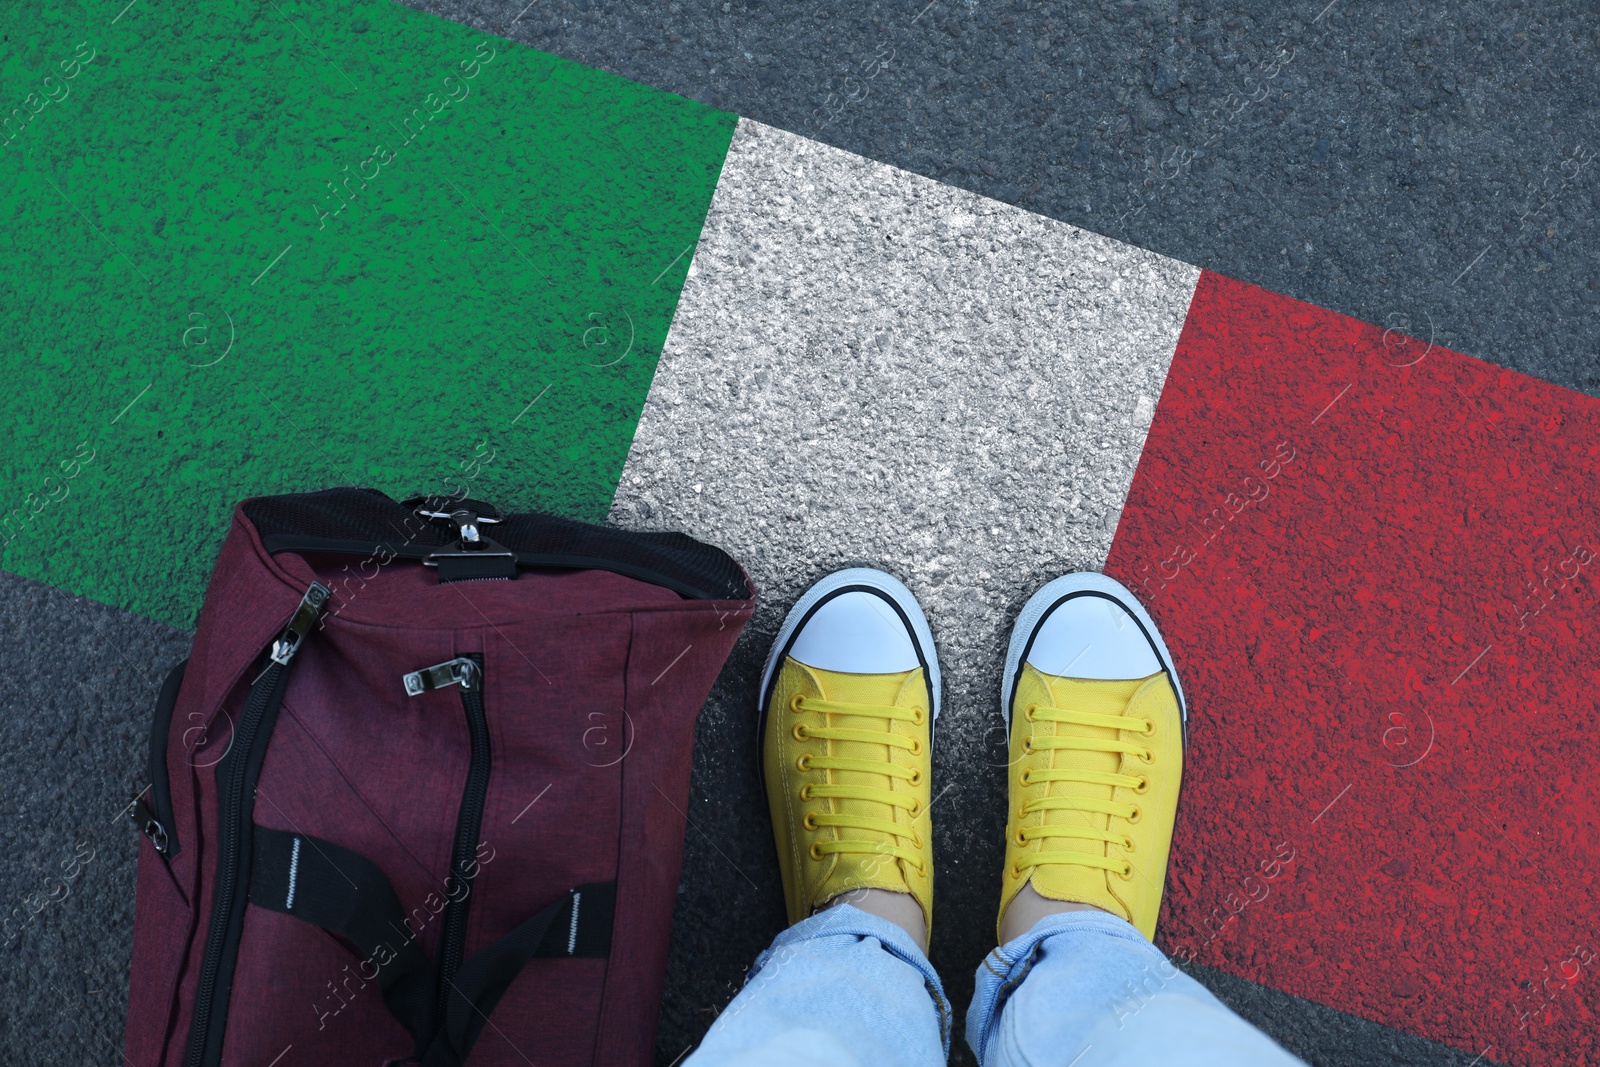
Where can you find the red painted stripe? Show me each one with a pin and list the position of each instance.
(1376, 563)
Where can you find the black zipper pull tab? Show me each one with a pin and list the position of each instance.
(304, 618)
(462, 671)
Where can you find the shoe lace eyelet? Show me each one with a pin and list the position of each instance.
(815, 852)
(918, 716)
(1147, 756)
(805, 794)
(1149, 728)
(916, 747)
(915, 809)
(797, 703)
(1027, 713)
(1143, 787)
(810, 821)
(800, 732)
(916, 840)
(1026, 777)
(922, 870)
(916, 777)
(1027, 746)
(1126, 874)
(803, 763)
(1135, 816)
(1127, 843)
(1020, 839)
(1016, 871)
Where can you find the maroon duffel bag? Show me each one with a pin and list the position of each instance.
(418, 794)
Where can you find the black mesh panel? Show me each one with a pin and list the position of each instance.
(357, 520)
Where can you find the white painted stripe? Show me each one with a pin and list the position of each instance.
(572, 931)
(870, 368)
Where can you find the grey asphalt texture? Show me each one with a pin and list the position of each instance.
(1419, 166)
(75, 731)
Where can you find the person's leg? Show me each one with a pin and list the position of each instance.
(848, 699)
(1086, 989)
(840, 989)
(1096, 717)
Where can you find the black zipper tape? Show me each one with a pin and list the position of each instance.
(237, 773)
(469, 821)
(154, 818)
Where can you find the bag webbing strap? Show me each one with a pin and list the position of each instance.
(347, 894)
(577, 925)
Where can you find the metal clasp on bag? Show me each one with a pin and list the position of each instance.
(460, 671)
(471, 547)
(482, 520)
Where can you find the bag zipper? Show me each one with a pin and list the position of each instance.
(236, 774)
(154, 819)
(467, 672)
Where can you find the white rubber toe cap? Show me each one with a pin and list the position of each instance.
(856, 633)
(1086, 625)
(855, 621)
(1092, 637)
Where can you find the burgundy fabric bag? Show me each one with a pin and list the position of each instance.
(418, 794)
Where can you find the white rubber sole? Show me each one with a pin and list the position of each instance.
(861, 577)
(1033, 613)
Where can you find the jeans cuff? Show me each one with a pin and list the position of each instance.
(845, 920)
(1003, 969)
(1023, 945)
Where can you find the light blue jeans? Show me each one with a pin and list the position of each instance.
(1082, 989)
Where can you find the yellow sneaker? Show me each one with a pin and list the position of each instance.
(1096, 720)
(848, 699)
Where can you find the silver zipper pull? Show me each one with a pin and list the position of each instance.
(462, 671)
(144, 817)
(305, 616)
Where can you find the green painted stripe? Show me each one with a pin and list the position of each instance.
(264, 248)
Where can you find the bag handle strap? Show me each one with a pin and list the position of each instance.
(576, 925)
(348, 895)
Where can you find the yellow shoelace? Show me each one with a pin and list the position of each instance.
(807, 762)
(1088, 805)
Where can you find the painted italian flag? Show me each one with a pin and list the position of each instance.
(467, 263)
